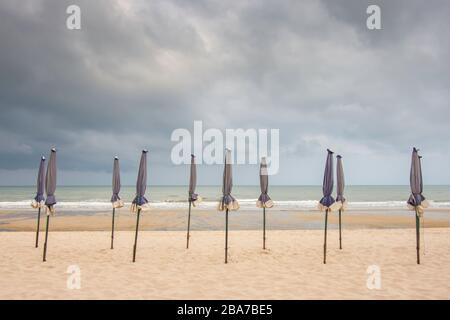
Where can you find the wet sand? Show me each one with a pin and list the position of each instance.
(176, 220)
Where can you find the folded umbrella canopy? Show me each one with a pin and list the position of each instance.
(115, 199)
(264, 200)
(193, 198)
(39, 200)
(50, 188)
(340, 185)
(228, 202)
(140, 201)
(416, 200)
(327, 200)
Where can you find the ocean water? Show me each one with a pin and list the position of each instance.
(96, 198)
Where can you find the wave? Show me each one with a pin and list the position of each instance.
(245, 204)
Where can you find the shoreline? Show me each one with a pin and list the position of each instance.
(175, 220)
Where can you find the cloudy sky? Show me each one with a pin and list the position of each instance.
(137, 70)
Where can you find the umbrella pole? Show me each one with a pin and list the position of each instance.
(112, 228)
(264, 228)
(136, 235)
(188, 226)
(340, 230)
(226, 236)
(44, 258)
(325, 238)
(417, 237)
(37, 227)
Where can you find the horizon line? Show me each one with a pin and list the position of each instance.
(219, 185)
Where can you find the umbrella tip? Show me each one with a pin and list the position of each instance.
(339, 156)
(116, 158)
(329, 151)
(227, 156)
(192, 155)
(42, 158)
(144, 151)
(263, 165)
(53, 149)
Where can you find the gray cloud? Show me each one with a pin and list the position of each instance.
(138, 70)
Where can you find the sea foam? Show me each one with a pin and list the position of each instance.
(245, 204)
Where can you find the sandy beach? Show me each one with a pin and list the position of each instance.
(290, 269)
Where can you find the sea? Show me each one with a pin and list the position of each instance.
(97, 198)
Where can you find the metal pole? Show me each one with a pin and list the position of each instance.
(112, 228)
(417, 237)
(264, 228)
(46, 237)
(325, 238)
(340, 230)
(226, 236)
(37, 228)
(188, 226)
(136, 235)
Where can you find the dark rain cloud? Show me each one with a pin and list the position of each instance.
(138, 70)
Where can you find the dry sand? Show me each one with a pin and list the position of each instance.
(291, 269)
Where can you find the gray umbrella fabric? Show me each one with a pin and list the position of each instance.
(50, 181)
(141, 183)
(340, 199)
(340, 181)
(228, 201)
(39, 199)
(40, 185)
(415, 179)
(264, 200)
(328, 182)
(115, 199)
(140, 200)
(416, 200)
(193, 197)
(50, 188)
(327, 201)
(421, 179)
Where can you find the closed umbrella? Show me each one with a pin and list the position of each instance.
(416, 200)
(39, 200)
(193, 198)
(340, 185)
(140, 200)
(50, 188)
(327, 201)
(228, 202)
(264, 200)
(115, 199)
